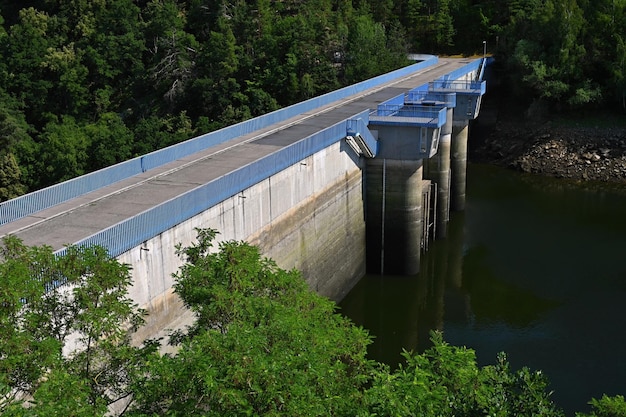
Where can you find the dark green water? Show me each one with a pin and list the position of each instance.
(534, 267)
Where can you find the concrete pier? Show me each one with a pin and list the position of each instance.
(438, 170)
(394, 220)
(458, 154)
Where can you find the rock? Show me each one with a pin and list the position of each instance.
(566, 152)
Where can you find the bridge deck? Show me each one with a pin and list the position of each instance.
(76, 219)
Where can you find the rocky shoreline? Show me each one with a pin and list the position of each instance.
(576, 153)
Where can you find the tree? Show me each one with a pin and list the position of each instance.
(10, 177)
(216, 92)
(412, 20)
(154, 132)
(365, 50)
(443, 25)
(110, 141)
(606, 407)
(69, 80)
(63, 150)
(446, 381)
(13, 131)
(548, 53)
(28, 43)
(383, 11)
(115, 56)
(66, 322)
(263, 342)
(606, 46)
(173, 52)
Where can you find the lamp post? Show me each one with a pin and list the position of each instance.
(484, 49)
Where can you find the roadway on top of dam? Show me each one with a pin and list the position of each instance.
(75, 219)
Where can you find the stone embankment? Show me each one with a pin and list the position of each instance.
(595, 154)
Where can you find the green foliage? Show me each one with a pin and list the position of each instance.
(263, 343)
(78, 67)
(28, 42)
(13, 130)
(65, 322)
(102, 64)
(154, 133)
(10, 177)
(110, 141)
(114, 53)
(64, 148)
(566, 52)
(549, 52)
(367, 53)
(446, 381)
(515, 393)
(173, 51)
(24, 354)
(606, 407)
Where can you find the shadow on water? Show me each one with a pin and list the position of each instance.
(494, 300)
(534, 267)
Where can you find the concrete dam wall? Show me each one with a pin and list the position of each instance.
(309, 216)
(330, 186)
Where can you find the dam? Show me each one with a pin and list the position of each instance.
(357, 179)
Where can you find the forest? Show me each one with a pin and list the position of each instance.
(85, 84)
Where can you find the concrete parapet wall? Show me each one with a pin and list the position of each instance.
(309, 216)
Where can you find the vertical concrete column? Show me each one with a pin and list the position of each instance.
(459, 165)
(393, 215)
(439, 172)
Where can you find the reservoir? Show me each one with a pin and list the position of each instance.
(535, 267)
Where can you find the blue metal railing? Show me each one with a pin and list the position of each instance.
(482, 69)
(424, 112)
(418, 115)
(30, 203)
(33, 202)
(397, 100)
(461, 72)
(131, 232)
(464, 86)
(447, 99)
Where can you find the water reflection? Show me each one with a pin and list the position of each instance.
(400, 311)
(534, 267)
(494, 300)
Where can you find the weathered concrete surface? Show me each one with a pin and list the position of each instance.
(458, 155)
(394, 215)
(309, 216)
(323, 234)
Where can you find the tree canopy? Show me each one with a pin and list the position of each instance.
(113, 79)
(262, 344)
(66, 324)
